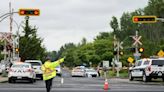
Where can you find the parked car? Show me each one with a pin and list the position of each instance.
(21, 71)
(58, 70)
(91, 73)
(77, 71)
(2, 67)
(147, 69)
(36, 64)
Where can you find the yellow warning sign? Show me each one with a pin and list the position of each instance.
(130, 60)
(160, 53)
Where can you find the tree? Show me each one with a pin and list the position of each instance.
(155, 7)
(30, 44)
(114, 25)
(83, 41)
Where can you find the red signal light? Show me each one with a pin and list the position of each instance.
(29, 12)
(144, 19)
(36, 12)
(22, 12)
(135, 19)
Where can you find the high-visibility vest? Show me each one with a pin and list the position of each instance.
(48, 69)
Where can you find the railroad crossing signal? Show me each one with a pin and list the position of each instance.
(137, 40)
(17, 50)
(121, 53)
(144, 19)
(29, 12)
(141, 50)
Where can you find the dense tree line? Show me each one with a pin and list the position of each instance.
(102, 46)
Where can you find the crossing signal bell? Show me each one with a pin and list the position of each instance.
(144, 19)
(120, 53)
(29, 12)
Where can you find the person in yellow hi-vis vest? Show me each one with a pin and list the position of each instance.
(49, 71)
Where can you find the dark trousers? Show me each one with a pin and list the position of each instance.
(49, 84)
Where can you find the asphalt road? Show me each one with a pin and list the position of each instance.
(81, 84)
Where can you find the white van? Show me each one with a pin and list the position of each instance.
(58, 70)
(36, 64)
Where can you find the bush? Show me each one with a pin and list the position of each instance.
(123, 71)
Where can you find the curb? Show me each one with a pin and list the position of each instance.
(3, 80)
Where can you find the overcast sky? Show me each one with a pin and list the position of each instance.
(64, 21)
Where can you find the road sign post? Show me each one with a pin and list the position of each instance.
(137, 42)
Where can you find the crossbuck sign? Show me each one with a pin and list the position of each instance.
(119, 45)
(5, 36)
(137, 40)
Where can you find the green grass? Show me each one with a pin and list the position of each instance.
(111, 74)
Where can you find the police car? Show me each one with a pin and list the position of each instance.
(21, 71)
(147, 69)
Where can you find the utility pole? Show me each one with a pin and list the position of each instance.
(10, 55)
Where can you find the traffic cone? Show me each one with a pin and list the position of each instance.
(106, 85)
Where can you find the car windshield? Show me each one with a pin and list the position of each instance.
(21, 66)
(35, 64)
(157, 62)
(146, 62)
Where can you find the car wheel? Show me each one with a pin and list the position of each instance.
(145, 78)
(86, 75)
(34, 80)
(10, 80)
(41, 77)
(59, 75)
(130, 77)
(31, 80)
(163, 79)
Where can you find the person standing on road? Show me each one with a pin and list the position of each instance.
(49, 71)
